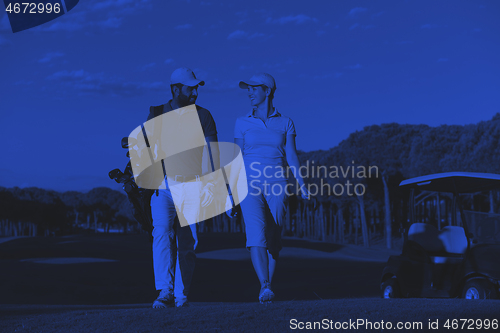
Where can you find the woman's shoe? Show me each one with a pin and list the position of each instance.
(266, 295)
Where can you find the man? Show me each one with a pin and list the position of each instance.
(183, 125)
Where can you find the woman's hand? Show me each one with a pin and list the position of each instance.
(304, 193)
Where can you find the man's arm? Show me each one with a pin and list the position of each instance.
(210, 180)
(235, 169)
(213, 152)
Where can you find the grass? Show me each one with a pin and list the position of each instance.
(332, 281)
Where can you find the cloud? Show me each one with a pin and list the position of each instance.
(428, 26)
(357, 66)
(183, 27)
(280, 66)
(98, 83)
(107, 14)
(49, 56)
(169, 61)
(357, 10)
(242, 16)
(354, 26)
(147, 66)
(442, 60)
(297, 19)
(110, 3)
(256, 35)
(23, 83)
(111, 22)
(77, 22)
(377, 14)
(63, 26)
(63, 75)
(219, 86)
(238, 34)
(120, 8)
(272, 66)
(264, 14)
(80, 22)
(335, 75)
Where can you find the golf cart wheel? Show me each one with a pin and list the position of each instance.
(390, 289)
(478, 289)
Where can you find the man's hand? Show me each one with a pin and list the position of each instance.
(207, 195)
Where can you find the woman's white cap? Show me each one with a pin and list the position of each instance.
(261, 79)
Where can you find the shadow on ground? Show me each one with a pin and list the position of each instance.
(129, 279)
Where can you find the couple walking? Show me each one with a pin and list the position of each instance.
(267, 139)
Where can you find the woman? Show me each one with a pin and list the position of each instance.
(267, 140)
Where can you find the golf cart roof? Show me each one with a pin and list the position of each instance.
(463, 182)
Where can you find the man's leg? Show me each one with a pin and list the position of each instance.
(186, 243)
(164, 246)
(187, 240)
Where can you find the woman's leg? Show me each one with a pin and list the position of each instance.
(254, 209)
(275, 215)
(271, 266)
(260, 263)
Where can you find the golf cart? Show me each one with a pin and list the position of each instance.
(451, 246)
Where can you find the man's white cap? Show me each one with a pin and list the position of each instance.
(261, 79)
(186, 77)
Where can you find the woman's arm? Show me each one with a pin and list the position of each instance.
(293, 161)
(233, 177)
(233, 198)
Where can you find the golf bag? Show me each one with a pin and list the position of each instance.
(140, 198)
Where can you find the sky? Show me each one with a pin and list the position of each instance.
(71, 88)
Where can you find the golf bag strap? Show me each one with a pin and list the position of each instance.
(156, 110)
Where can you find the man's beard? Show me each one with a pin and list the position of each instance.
(186, 100)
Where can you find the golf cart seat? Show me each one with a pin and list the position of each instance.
(454, 239)
(443, 247)
(427, 236)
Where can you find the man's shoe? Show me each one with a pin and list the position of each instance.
(164, 300)
(181, 303)
(266, 295)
